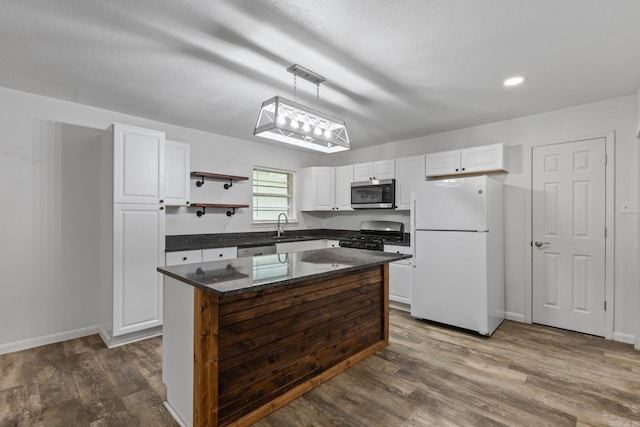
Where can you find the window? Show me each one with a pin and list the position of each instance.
(272, 194)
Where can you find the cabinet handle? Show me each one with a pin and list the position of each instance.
(161, 201)
(463, 168)
(457, 169)
(184, 258)
(220, 255)
(161, 208)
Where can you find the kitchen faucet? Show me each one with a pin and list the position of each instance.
(285, 219)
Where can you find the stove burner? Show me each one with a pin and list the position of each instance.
(374, 234)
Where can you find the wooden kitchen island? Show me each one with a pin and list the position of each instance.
(243, 337)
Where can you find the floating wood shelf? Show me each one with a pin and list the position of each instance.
(217, 177)
(204, 207)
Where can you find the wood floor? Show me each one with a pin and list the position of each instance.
(428, 376)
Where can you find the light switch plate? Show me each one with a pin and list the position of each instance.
(629, 207)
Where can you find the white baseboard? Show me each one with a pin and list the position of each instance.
(625, 338)
(113, 342)
(47, 339)
(400, 306)
(516, 317)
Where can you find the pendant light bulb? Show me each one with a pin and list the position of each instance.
(294, 123)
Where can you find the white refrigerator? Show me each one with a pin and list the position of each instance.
(458, 274)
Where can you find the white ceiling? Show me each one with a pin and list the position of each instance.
(396, 69)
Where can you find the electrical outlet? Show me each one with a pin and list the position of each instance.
(629, 207)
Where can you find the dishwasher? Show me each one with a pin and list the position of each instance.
(256, 251)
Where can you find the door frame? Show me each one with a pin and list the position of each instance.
(609, 138)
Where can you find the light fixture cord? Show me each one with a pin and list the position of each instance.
(295, 88)
(318, 96)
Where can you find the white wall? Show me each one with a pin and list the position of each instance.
(50, 165)
(596, 119)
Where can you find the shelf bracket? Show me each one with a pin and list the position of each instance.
(232, 211)
(229, 185)
(203, 211)
(200, 183)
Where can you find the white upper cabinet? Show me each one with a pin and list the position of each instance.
(326, 188)
(177, 169)
(383, 169)
(138, 165)
(443, 163)
(344, 178)
(487, 158)
(318, 189)
(409, 172)
(482, 159)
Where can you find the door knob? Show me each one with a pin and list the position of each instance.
(539, 244)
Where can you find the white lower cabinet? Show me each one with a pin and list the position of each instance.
(138, 249)
(332, 243)
(201, 255)
(217, 254)
(184, 257)
(400, 278)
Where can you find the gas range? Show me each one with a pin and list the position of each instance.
(362, 242)
(374, 234)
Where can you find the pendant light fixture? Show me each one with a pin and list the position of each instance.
(287, 121)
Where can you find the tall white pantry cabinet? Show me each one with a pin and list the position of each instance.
(132, 237)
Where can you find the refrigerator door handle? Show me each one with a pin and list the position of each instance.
(414, 259)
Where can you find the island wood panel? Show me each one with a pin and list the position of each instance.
(240, 307)
(357, 313)
(276, 344)
(313, 365)
(268, 361)
(245, 336)
(277, 338)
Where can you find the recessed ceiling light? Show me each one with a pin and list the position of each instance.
(514, 81)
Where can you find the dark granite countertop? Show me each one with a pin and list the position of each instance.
(238, 276)
(187, 242)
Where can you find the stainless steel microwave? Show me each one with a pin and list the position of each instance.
(374, 194)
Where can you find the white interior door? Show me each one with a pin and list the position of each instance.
(569, 204)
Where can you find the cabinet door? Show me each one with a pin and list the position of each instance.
(399, 275)
(384, 169)
(177, 161)
(138, 249)
(324, 188)
(217, 254)
(409, 171)
(362, 172)
(400, 281)
(483, 159)
(138, 175)
(183, 257)
(443, 163)
(344, 177)
(333, 243)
